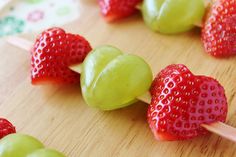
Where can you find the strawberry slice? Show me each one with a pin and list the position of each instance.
(53, 52)
(116, 9)
(181, 102)
(219, 30)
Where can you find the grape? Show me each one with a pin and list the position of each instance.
(172, 16)
(18, 145)
(111, 79)
(46, 153)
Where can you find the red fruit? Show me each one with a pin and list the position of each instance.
(117, 9)
(181, 102)
(6, 128)
(53, 52)
(219, 30)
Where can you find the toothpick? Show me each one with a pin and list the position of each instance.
(218, 128)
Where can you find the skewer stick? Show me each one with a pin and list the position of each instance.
(207, 3)
(20, 43)
(222, 130)
(218, 128)
(4, 5)
(145, 98)
(27, 45)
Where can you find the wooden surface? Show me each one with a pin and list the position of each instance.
(60, 118)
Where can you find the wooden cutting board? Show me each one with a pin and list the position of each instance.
(59, 117)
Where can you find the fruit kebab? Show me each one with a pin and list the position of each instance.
(171, 17)
(14, 144)
(183, 105)
(20, 145)
(164, 16)
(55, 52)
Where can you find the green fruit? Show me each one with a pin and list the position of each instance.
(46, 153)
(172, 16)
(112, 80)
(18, 145)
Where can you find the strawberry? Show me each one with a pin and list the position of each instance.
(219, 30)
(117, 9)
(6, 128)
(53, 52)
(181, 102)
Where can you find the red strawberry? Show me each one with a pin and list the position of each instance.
(181, 102)
(53, 52)
(6, 128)
(219, 30)
(117, 9)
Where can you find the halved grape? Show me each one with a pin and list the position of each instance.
(18, 145)
(172, 16)
(46, 153)
(111, 79)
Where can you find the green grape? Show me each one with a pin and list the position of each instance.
(172, 16)
(46, 153)
(18, 145)
(112, 80)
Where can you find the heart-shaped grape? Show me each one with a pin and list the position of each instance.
(112, 80)
(172, 16)
(46, 153)
(18, 145)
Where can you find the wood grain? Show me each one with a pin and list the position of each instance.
(60, 118)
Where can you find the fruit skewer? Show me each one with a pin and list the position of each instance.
(168, 17)
(215, 127)
(21, 145)
(215, 17)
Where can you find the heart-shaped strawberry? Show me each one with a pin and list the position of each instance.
(53, 52)
(219, 30)
(6, 128)
(116, 9)
(181, 102)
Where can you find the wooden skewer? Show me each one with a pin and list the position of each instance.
(4, 5)
(221, 129)
(218, 128)
(27, 45)
(207, 3)
(145, 98)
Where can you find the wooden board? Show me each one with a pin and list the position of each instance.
(60, 118)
